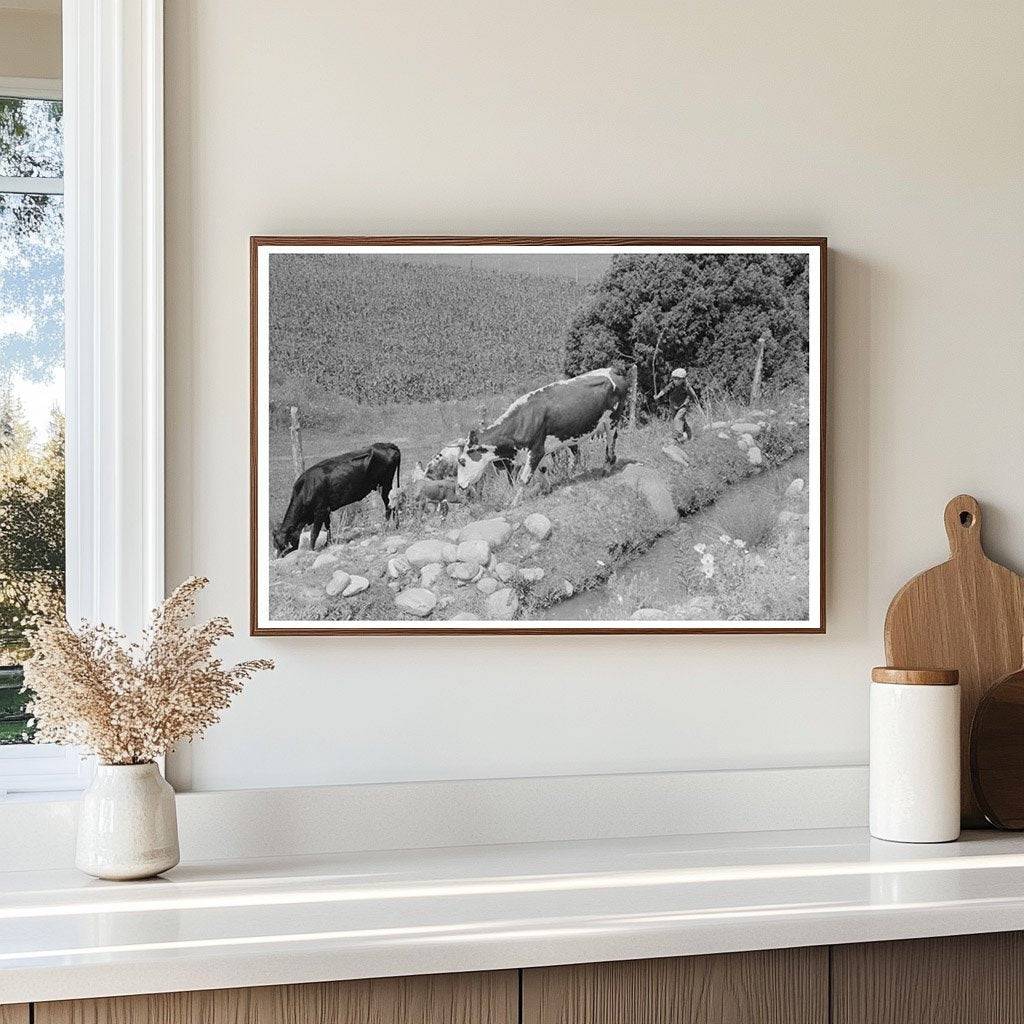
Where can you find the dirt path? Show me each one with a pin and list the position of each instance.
(652, 579)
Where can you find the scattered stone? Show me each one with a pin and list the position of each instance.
(538, 525)
(417, 601)
(395, 586)
(398, 567)
(423, 552)
(393, 544)
(446, 602)
(356, 585)
(676, 454)
(718, 424)
(328, 557)
(746, 428)
(754, 456)
(429, 574)
(453, 536)
(492, 563)
(478, 551)
(495, 531)
(648, 615)
(505, 571)
(366, 543)
(450, 552)
(337, 583)
(468, 571)
(756, 414)
(748, 440)
(653, 489)
(533, 547)
(532, 575)
(795, 488)
(723, 435)
(502, 604)
(488, 585)
(568, 588)
(464, 617)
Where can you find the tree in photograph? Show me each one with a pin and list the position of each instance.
(708, 312)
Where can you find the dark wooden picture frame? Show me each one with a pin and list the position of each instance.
(816, 623)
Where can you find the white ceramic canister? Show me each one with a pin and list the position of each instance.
(127, 825)
(915, 755)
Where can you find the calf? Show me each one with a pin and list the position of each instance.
(333, 484)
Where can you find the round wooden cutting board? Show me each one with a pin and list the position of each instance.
(967, 614)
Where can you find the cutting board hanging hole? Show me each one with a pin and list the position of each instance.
(963, 525)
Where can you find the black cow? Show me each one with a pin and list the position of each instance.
(334, 483)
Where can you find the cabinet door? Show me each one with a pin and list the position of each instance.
(778, 986)
(14, 1013)
(962, 979)
(482, 998)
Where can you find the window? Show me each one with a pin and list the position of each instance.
(32, 514)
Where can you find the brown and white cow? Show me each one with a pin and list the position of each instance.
(566, 409)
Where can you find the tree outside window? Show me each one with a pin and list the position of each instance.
(31, 387)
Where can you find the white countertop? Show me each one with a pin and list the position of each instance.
(261, 922)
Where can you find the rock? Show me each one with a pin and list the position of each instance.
(533, 547)
(746, 428)
(398, 566)
(676, 454)
(747, 440)
(796, 488)
(505, 571)
(328, 557)
(445, 602)
(492, 563)
(788, 516)
(568, 588)
(478, 551)
(754, 456)
(453, 536)
(450, 552)
(290, 559)
(468, 571)
(464, 617)
(393, 544)
(416, 601)
(538, 525)
(429, 574)
(502, 604)
(356, 585)
(488, 585)
(653, 489)
(337, 583)
(304, 540)
(723, 435)
(532, 575)
(648, 615)
(395, 586)
(366, 543)
(495, 531)
(718, 424)
(423, 552)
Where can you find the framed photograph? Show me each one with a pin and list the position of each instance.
(537, 435)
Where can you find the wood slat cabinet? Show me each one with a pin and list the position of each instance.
(481, 998)
(775, 986)
(970, 979)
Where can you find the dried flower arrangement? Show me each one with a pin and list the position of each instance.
(129, 703)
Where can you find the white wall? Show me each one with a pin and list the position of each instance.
(895, 129)
(30, 39)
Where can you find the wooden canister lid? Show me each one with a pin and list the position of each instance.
(916, 676)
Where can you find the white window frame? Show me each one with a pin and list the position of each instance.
(114, 325)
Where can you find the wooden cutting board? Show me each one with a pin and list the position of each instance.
(967, 614)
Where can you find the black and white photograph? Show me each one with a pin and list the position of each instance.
(542, 435)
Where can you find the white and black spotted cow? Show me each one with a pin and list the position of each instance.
(566, 409)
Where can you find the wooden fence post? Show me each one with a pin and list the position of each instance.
(755, 386)
(298, 458)
(633, 389)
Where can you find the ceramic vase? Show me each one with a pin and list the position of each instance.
(127, 825)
